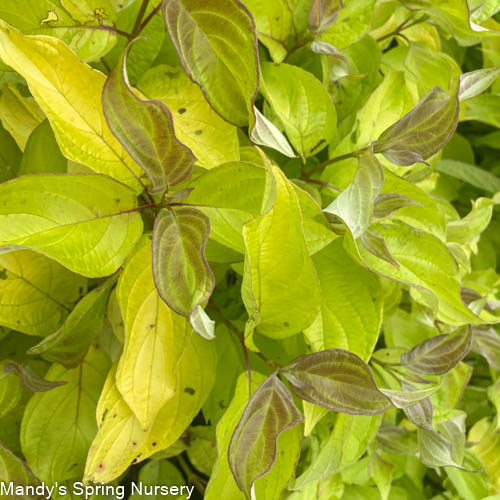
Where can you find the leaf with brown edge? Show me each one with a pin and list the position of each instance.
(30, 379)
(337, 380)
(423, 131)
(438, 355)
(223, 62)
(181, 272)
(252, 450)
(146, 131)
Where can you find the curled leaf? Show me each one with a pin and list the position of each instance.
(146, 131)
(338, 380)
(30, 379)
(388, 203)
(476, 82)
(252, 450)
(323, 13)
(422, 132)
(438, 355)
(181, 272)
(487, 344)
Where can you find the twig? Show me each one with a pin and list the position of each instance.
(137, 26)
(321, 166)
(148, 19)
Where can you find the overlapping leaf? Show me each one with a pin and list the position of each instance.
(146, 131)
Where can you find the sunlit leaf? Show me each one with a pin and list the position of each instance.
(324, 13)
(146, 131)
(337, 380)
(181, 272)
(224, 64)
(476, 82)
(253, 447)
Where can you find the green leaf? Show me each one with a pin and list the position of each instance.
(421, 413)
(280, 285)
(475, 176)
(476, 82)
(422, 132)
(438, 355)
(36, 293)
(307, 115)
(49, 17)
(344, 446)
(381, 472)
(487, 343)
(59, 425)
(253, 447)
(155, 340)
(424, 263)
(470, 486)
(274, 22)
(85, 222)
(70, 343)
(10, 156)
(212, 140)
(69, 93)
(13, 471)
(324, 13)
(10, 390)
(409, 396)
(29, 379)
(146, 131)
(355, 204)
(337, 380)
(484, 108)
(351, 305)
(42, 154)
(269, 487)
(223, 63)
(121, 440)
(181, 272)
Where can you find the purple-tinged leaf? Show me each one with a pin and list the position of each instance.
(396, 440)
(408, 397)
(476, 82)
(422, 132)
(375, 244)
(487, 344)
(337, 380)
(355, 204)
(252, 450)
(181, 272)
(30, 379)
(146, 131)
(217, 45)
(323, 13)
(422, 412)
(388, 203)
(438, 355)
(335, 64)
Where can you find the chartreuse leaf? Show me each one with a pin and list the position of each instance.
(70, 343)
(280, 285)
(274, 22)
(381, 472)
(69, 93)
(36, 293)
(453, 16)
(438, 355)
(155, 340)
(212, 140)
(337, 380)
(181, 272)
(253, 447)
(29, 379)
(475, 176)
(121, 440)
(13, 471)
(355, 204)
(85, 222)
(302, 105)
(42, 154)
(146, 131)
(224, 63)
(351, 304)
(58, 426)
(424, 263)
(476, 82)
(49, 17)
(422, 132)
(10, 390)
(487, 447)
(487, 343)
(10, 156)
(345, 445)
(270, 486)
(20, 115)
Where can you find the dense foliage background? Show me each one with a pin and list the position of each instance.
(255, 251)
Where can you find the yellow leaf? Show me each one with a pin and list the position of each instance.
(69, 92)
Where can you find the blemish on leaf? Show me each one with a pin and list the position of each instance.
(3, 274)
(286, 324)
(189, 390)
(198, 132)
(181, 111)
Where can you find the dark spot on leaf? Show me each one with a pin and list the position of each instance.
(3, 274)
(189, 390)
(80, 290)
(286, 324)
(115, 415)
(152, 325)
(181, 111)
(317, 145)
(101, 466)
(134, 443)
(104, 413)
(18, 322)
(117, 200)
(198, 132)
(153, 444)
